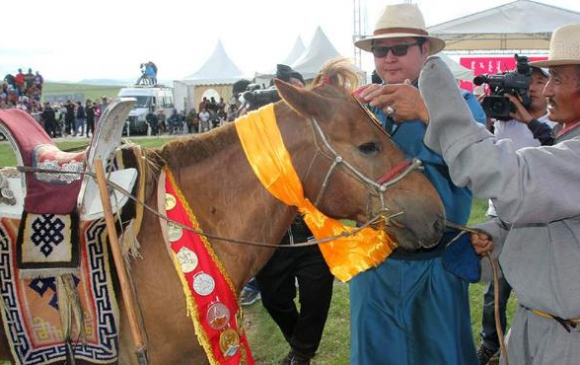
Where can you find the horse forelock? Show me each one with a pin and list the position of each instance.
(340, 73)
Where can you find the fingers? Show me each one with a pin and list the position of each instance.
(481, 243)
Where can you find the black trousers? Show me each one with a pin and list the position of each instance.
(302, 329)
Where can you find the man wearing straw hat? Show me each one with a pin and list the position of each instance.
(411, 309)
(535, 190)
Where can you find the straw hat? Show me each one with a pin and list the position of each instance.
(564, 47)
(399, 21)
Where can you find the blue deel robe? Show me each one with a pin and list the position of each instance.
(410, 310)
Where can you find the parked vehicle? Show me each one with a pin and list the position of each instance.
(147, 96)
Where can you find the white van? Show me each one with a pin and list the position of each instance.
(157, 96)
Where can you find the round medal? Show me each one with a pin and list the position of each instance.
(203, 284)
(7, 193)
(187, 260)
(170, 201)
(174, 232)
(218, 316)
(229, 342)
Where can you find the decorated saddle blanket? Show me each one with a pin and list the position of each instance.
(46, 192)
(29, 307)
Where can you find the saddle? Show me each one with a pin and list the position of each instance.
(53, 232)
(61, 193)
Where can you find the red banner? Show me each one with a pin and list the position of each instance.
(490, 66)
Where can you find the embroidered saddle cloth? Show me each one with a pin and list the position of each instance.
(30, 306)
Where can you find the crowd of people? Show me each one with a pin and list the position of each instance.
(22, 90)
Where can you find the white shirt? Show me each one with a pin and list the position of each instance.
(521, 137)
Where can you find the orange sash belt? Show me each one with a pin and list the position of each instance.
(211, 298)
(271, 162)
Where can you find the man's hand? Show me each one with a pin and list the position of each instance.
(521, 114)
(481, 243)
(401, 102)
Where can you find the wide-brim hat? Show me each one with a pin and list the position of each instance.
(401, 21)
(564, 47)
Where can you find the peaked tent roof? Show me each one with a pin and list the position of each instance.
(218, 69)
(522, 24)
(318, 52)
(295, 53)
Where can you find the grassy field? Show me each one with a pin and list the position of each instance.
(267, 342)
(89, 91)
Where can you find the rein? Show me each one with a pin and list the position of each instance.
(376, 219)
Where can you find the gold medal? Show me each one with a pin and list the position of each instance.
(170, 201)
(174, 232)
(218, 316)
(229, 342)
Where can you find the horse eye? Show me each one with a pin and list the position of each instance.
(369, 148)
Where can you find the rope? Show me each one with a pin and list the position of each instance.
(493, 263)
(153, 211)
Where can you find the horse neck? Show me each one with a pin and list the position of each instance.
(229, 201)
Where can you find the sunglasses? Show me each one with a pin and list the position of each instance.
(398, 50)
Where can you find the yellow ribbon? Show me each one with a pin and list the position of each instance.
(271, 162)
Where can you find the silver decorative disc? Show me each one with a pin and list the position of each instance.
(187, 260)
(203, 284)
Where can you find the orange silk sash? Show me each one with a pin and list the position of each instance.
(271, 162)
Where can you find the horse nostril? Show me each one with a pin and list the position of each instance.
(439, 225)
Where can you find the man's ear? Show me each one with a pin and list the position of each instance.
(303, 101)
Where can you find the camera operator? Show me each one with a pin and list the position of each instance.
(301, 328)
(529, 127)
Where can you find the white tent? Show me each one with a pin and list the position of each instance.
(295, 53)
(218, 73)
(519, 25)
(459, 72)
(318, 52)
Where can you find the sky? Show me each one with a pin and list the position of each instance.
(71, 40)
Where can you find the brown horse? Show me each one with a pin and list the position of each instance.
(229, 201)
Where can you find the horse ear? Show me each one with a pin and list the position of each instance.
(303, 101)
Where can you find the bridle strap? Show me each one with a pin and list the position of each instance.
(394, 172)
(390, 178)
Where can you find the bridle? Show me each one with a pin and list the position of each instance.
(380, 186)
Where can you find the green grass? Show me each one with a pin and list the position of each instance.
(266, 340)
(89, 91)
(269, 347)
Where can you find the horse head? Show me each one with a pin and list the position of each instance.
(349, 166)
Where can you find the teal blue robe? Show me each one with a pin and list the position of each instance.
(410, 310)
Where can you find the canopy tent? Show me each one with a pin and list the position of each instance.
(459, 72)
(317, 54)
(519, 25)
(295, 53)
(218, 73)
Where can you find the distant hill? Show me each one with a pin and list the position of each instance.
(117, 82)
(107, 82)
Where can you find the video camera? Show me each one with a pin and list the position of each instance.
(517, 82)
(257, 97)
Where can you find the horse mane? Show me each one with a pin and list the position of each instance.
(339, 72)
(196, 148)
